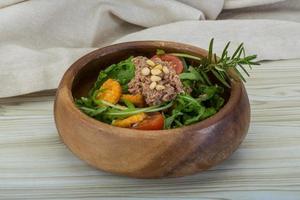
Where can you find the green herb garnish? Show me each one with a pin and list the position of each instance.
(220, 67)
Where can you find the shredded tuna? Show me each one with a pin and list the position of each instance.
(141, 84)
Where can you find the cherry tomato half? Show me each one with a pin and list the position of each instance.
(155, 121)
(174, 60)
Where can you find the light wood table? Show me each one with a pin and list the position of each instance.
(34, 164)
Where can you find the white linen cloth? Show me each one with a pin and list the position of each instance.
(284, 10)
(39, 39)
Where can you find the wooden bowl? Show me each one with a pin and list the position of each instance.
(146, 154)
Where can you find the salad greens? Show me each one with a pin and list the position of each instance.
(205, 79)
(188, 109)
(123, 72)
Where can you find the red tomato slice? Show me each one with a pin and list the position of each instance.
(174, 60)
(154, 121)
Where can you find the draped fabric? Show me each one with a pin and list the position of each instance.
(39, 39)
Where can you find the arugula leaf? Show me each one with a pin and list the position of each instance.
(160, 52)
(217, 101)
(117, 113)
(123, 72)
(86, 105)
(93, 111)
(187, 83)
(125, 88)
(171, 119)
(188, 76)
(206, 92)
(185, 66)
(128, 104)
(208, 112)
(187, 111)
(192, 75)
(83, 101)
(195, 74)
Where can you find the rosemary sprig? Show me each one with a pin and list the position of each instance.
(220, 66)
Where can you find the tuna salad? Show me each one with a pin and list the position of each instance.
(156, 80)
(164, 91)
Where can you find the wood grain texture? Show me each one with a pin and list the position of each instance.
(153, 153)
(34, 164)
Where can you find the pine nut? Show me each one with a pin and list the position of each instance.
(150, 62)
(152, 85)
(158, 67)
(145, 71)
(165, 70)
(155, 71)
(159, 87)
(155, 78)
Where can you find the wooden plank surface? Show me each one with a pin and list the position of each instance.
(34, 164)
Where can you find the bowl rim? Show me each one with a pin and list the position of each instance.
(66, 84)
